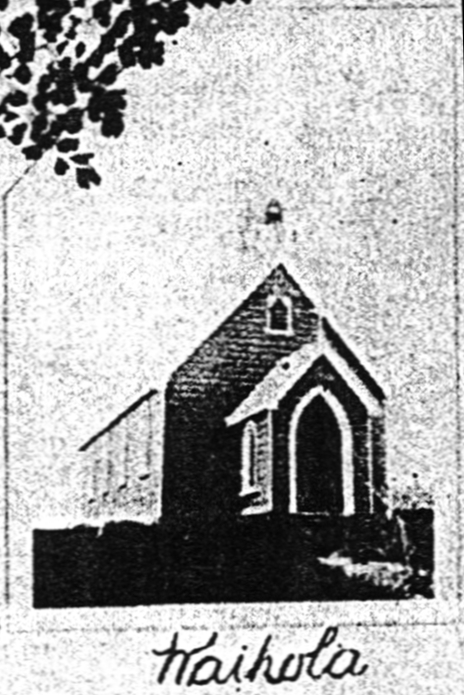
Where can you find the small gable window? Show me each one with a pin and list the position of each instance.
(250, 457)
(279, 315)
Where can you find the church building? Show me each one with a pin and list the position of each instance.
(273, 415)
(266, 450)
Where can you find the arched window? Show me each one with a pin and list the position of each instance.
(279, 315)
(250, 457)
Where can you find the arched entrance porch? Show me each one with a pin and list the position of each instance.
(321, 456)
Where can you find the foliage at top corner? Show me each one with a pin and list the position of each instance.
(60, 61)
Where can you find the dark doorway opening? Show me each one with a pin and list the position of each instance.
(319, 460)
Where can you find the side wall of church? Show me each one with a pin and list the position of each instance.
(122, 464)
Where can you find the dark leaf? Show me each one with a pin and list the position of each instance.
(17, 134)
(107, 43)
(72, 121)
(157, 53)
(114, 98)
(46, 80)
(102, 12)
(83, 178)
(27, 50)
(67, 145)
(151, 54)
(113, 126)
(54, 96)
(96, 58)
(80, 49)
(64, 65)
(50, 17)
(21, 26)
(61, 47)
(5, 60)
(2, 131)
(175, 18)
(3, 5)
(94, 177)
(65, 93)
(39, 124)
(23, 73)
(121, 24)
(82, 158)
(46, 141)
(56, 126)
(126, 54)
(81, 72)
(61, 167)
(32, 152)
(108, 75)
(96, 104)
(18, 98)
(40, 102)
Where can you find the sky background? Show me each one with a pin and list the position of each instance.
(344, 116)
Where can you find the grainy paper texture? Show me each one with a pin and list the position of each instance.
(350, 116)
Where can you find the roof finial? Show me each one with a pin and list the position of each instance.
(274, 213)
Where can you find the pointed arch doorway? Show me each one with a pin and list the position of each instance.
(321, 457)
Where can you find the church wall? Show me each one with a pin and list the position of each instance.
(379, 456)
(122, 464)
(201, 467)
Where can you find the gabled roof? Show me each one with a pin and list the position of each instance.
(332, 337)
(279, 271)
(119, 418)
(289, 370)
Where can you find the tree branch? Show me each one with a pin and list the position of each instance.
(7, 192)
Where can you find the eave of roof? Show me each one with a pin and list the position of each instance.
(266, 395)
(111, 425)
(290, 369)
